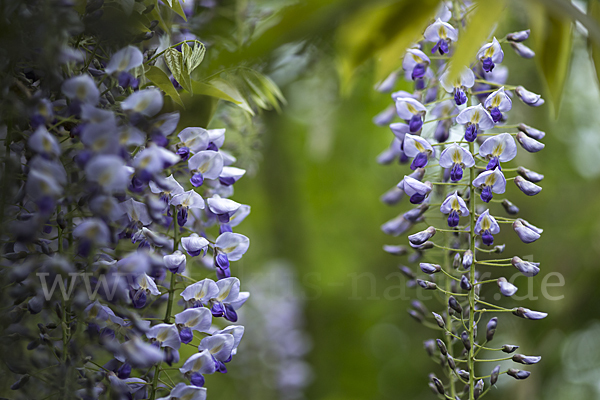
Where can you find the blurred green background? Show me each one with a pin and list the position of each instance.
(322, 286)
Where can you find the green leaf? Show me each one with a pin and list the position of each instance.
(175, 62)
(594, 47)
(208, 89)
(381, 31)
(193, 56)
(232, 92)
(175, 5)
(479, 27)
(162, 81)
(552, 44)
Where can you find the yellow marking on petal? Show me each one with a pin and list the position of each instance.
(419, 147)
(142, 105)
(81, 92)
(490, 180)
(442, 32)
(486, 223)
(475, 117)
(104, 178)
(455, 204)
(417, 59)
(496, 100)
(123, 64)
(457, 156)
(198, 364)
(489, 52)
(411, 108)
(192, 322)
(217, 349)
(162, 336)
(498, 149)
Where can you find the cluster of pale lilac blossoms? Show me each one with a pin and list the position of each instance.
(115, 192)
(455, 138)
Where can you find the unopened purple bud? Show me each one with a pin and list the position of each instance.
(465, 284)
(422, 237)
(425, 246)
(518, 374)
(529, 188)
(407, 272)
(518, 36)
(478, 389)
(464, 375)
(419, 306)
(430, 268)
(416, 122)
(494, 375)
(460, 97)
(526, 232)
(488, 65)
(451, 362)
(491, 329)
(426, 284)
(456, 262)
(416, 315)
(442, 346)
(509, 348)
(523, 50)
(506, 288)
(442, 131)
(414, 214)
(486, 194)
(197, 179)
(439, 320)
(186, 335)
(527, 360)
(395, 250)
(531, 176)
(471, 132)
(529, 144)
(527, 268)
(197, 379)
(499, 248)
(528, 314)
(455, 305)
(392, 196)
(467, 260)
(429, 346)
(464, 336)
(529, 98)
(439, 386)
(532, 132)
(509, 207)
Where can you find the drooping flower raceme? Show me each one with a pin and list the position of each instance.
(469, 174)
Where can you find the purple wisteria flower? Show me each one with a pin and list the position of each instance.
(475, 119)
(499, 148)
(455, 207)
(412, 111)
(490, 181)
(465, 80)
(486, 226)
(456, 158)
(197, 319)
(442, 34)
(497, 103)
(416, 190)
(416, 63)
(419, 148)
(490, 54)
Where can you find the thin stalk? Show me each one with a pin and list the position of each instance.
(471, 331)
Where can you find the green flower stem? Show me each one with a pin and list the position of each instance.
(471, 331)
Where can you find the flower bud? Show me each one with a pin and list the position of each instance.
(442, 346)
(416, 315)
(457, 261)
(499, 248)
(439, 386)
(529, 144)
(518, 374)
(531, 176)
(522, 50)
(417, 305)
(425, 246)
(20, 383)
(527, 360)
(529, 314)
(532, 132)
(414, 214)
(439, 320)
(430, 268)
(491, 329)
(407, 272)
(421, 237)
(426, 284)
(529, 188)
(509, 207)
(395, 250)
(429, 346)
(478, 389)
(392, 196)
(506, 288)
(465, 284)
(527, 268)
(464, 375)
(464, 336)
(455, 305)
(467, 260)
(396, 226)
(527, 233)
(494, 375)
(451, 362)
(518, 36)
(529, 98)
(509, 348)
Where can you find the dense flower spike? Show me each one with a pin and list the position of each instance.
(467, 165)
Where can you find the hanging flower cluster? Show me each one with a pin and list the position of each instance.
(455, 136)
(116, 205)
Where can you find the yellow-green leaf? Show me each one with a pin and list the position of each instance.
(232, 92)
(162, 81)
(193, 56)
(177, 66)
(479, 27)
(594, 47)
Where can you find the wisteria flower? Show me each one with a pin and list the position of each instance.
(142, 286)
(202, 363)
(457, 158)
(527, 268)
(175, 262)
(490, 54)
(465, 80)
(497, 103)
(499, 148)
(81, 88)
(486, 226)
(193, 319)
(207, 164)
(186, 201)
(529, 98)
(194, 244)
(419, 148)
(455, 207)
(183, 391)
(152, 160)
(122, 61)
(223, 208)
(228, 299)
(237, 331)
(147, 102)
(109, 171)
(416, 63)
(491, 181)
(166, 188)
(526, 232)
(412, 111)
(43, 142)
(230, 175)
(528, 143)
(416, 190)
(522, 50)
(193, 140)
(506, 288)
(165, 335)
(139, 353)
(200, 293)
(475, 118)
(442, 34)
(229, 247)
(91, 232)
